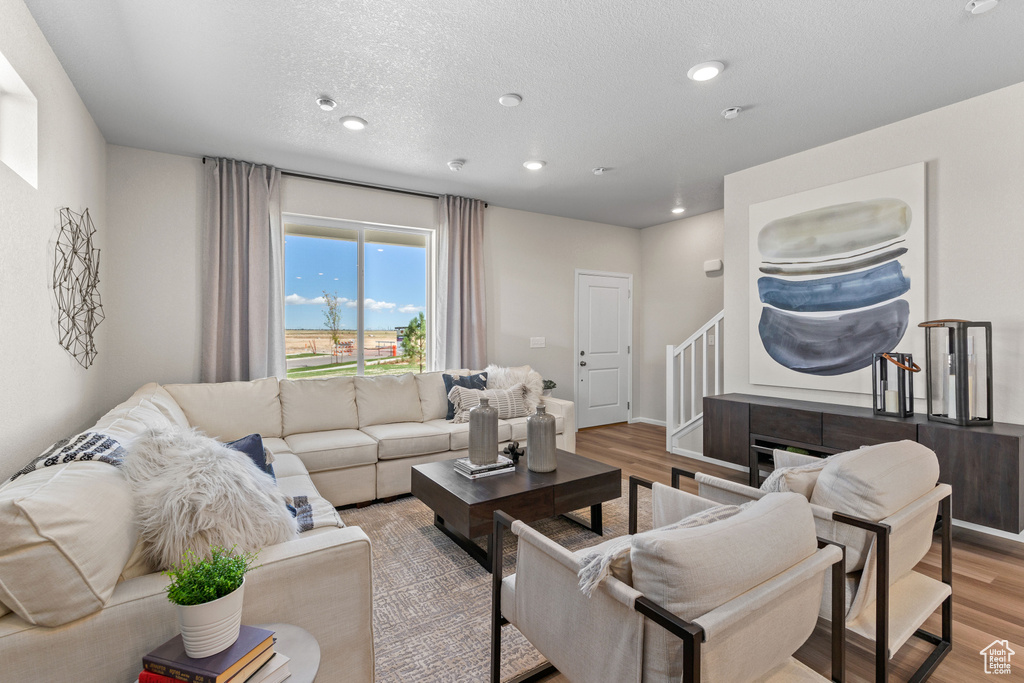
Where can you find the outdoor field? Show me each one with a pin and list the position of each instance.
(309, 354)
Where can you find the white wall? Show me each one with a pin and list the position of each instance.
(531, 260)
(975, 165)
(155, 203)
(152, 295)
(47, 395)
(678, 298)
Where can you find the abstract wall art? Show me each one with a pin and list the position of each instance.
(76, 279)
(837, 274)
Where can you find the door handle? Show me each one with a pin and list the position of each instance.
(583, 363)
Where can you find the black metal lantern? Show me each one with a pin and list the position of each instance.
(959, 371)
(892, 384)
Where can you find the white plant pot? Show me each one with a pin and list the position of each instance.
(546, 392)
(211, 627)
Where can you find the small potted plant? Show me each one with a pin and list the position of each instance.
(208, 593)
(549, 384)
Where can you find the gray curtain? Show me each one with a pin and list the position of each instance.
(460, 334)
(242, 273)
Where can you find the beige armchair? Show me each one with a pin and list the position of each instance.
(729, 601)
(881, 503)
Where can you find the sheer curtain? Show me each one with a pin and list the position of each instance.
(460, 330)
(242, 273)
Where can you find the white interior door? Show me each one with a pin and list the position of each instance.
(603, 346)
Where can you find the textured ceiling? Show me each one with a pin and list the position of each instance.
(603, 84)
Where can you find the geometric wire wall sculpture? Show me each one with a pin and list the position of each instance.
(76, 279)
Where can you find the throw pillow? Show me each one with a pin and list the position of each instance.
(192, 492)
(252, 446)
(509, 402)
(505, 378)
(612, 557)
(477, 381)
(794, 479)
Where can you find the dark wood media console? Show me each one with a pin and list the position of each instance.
(984, 465)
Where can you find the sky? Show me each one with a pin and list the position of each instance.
(395, 288)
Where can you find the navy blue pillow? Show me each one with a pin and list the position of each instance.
(478, 381)
(252, 446)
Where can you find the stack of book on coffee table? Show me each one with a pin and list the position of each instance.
(250, 659)
(467, 469)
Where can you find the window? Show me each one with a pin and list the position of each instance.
(355, 298)
(19, 125)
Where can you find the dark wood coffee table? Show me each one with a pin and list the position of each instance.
(464, 508)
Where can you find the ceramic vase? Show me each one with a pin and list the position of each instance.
(540, 441)
(483, 433)
(213, 626)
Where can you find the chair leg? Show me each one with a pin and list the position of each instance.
(882, 610)
(501, 520)
(944, 644)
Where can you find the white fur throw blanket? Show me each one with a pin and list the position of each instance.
(192, 492)
(505, 378)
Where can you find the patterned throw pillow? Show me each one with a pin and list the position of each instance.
(83, 447)
(509, 402)
(613, 558)
(477, 381)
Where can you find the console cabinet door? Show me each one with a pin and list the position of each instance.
(727, 430)
(984, 470)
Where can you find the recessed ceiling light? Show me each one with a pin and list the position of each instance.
(600, 170)
(535, 165)
(353, 122)
(981, 6)
(326, 103)
(456, 164)
(731, 112)
(705, 71)
(678, 209)
(510, 100)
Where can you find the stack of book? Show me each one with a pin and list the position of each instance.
(467, 469)
(250, 660)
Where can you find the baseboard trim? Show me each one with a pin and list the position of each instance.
(647, 421)
(987, 535)
(703, 458)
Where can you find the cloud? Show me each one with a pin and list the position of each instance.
(371, 305)
(410, 309)
(299, 300)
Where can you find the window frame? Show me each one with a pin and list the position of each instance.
(289, 219)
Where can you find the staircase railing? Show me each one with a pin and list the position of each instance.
(690, 375)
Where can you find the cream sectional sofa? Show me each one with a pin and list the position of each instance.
(77, 602)
(358, 437)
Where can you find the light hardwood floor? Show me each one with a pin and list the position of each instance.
(988, 576)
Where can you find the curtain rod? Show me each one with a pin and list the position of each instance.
(355, 183)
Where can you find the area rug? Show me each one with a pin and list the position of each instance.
(432, 601)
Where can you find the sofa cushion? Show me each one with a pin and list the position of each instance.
(433, 398)
(517, 426)
(231, 410)
(318, 405)
(689, 572)
(873, 482)
(276, 445)
(386, 399)
(68, 532)
(287, 464)
(159, 400)
(403, 439)
(333, 449)
(458, 432)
